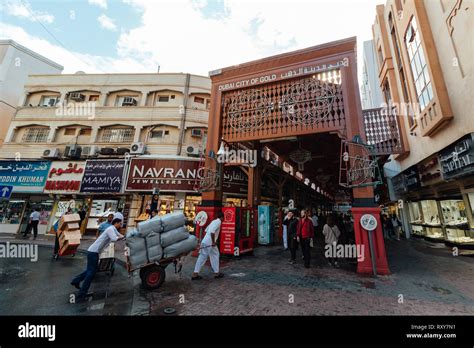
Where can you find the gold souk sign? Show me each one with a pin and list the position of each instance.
(358, 167)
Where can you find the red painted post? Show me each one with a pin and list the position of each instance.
(362, 238)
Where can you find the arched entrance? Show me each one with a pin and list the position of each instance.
(300, 106)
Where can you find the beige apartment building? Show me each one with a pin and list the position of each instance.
(69, 127)
(425, 61)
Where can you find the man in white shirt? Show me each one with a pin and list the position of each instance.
(209, 248)
(33, 223)
(118, 214)
(111, 234)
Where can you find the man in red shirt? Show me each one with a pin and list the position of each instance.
(305, 233)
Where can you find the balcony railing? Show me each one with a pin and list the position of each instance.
(382, 131)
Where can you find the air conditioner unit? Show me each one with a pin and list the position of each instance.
(72, 151)
(77, 97)
(196, 133)
(90, 151)
(129, 101)
(107, 151)
(50, 153)
(193, 151)
(137, 149)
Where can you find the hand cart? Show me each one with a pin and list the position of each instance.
(107, 259)
(153, 274)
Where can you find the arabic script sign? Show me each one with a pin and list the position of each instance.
(65, 177)
(458, 159)
(103, 176)
(24, 176)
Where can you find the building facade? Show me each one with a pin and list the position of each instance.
(425, 51)
(370, 92)
(74, 138)
(16, 63)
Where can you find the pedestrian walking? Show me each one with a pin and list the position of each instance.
(315, 220)
(396, 224)
(111, 234)
(33, 223)
(331, 235)
(119, 215)
(305, 234)
(209, 248)
(291, 223)
(285, 229)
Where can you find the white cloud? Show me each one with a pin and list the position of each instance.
(24, 10)
(107, 22)
(74, 61)
(182, 36)
(100, 3)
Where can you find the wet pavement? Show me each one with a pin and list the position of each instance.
(424, 281)
(43, 287)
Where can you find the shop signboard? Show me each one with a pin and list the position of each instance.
(457, 160)
(145, 174)
(65, 177)
(227, 235)
(24, 176)
(177, 175)
(103, 176)
(429, 171)
(412, 178)
(235, 180)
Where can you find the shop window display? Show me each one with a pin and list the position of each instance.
(10, 212)
(416, 218)
(431, 220)
(430, 213)
(455, 221)
(471, 203)
(454, 213)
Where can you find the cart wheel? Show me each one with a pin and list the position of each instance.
(152, 277)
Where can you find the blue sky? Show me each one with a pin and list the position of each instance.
(193, 36)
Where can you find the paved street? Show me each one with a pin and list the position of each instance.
(431, 281)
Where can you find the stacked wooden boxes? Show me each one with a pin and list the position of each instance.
(69, 234)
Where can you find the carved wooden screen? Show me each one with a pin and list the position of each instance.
(382, 131)
(286, 108)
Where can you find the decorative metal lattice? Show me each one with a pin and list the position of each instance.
(209, 181)
(358, 165)
(288, 107)
(382, 130)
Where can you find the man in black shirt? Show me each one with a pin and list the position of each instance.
(291, 224)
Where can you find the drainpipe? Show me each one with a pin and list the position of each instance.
(183, 115)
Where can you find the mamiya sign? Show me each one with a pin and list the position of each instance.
(458, 159)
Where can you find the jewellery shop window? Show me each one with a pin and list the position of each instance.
(430, 213)
(10, 212)
(471, 203)
(415, 213)
(190, 206)
(165, 204)
(454, 213)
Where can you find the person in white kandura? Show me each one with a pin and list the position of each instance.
(210, 249)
